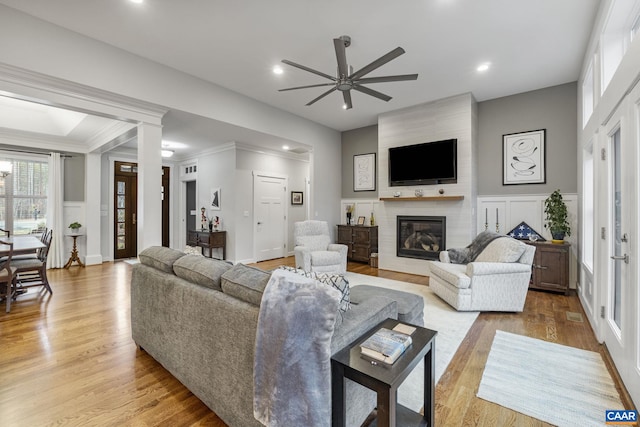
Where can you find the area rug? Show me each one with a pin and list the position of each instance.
(452, 327)
(560, 385)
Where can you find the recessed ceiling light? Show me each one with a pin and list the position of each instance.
(136, 1)
(483, 67)
(344, 106)
(285, 147)
(277, 69)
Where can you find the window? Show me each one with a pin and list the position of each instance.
(620, 28)
(587, 96)
(587, 207)
(23, 196)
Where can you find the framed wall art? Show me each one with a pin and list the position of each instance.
(215, 199)
(296, 197)
(523, 158)
(364, 172)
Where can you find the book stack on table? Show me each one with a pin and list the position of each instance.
(387, 345)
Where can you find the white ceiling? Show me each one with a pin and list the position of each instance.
(530, 45)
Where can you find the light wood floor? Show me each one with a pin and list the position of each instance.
(68, 359)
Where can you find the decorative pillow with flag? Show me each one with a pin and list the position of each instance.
(522, 231)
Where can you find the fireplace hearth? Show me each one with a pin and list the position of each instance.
(421, 237)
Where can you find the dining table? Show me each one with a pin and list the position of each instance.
(21, 245)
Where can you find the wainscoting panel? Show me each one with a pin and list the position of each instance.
(512, 210)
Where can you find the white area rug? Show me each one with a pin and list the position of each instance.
(452, 327)
(132, 261)
(561, 385)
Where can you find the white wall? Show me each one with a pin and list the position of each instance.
(452, 117)
(248, 161)
(41, 47)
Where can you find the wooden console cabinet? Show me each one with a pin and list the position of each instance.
(361, 240)
(208, 239)
(550, 267)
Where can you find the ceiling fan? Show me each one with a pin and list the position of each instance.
(347, 79)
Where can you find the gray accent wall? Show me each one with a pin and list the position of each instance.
(74, 178)
(554, 109)
(358, 141)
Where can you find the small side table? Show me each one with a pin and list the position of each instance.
(385, 379)
(74, 252)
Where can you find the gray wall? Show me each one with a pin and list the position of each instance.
(553, 109)
(74, 178)
(358, 141)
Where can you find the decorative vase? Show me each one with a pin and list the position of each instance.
(557, 237)
(210, 226)
(348, 218)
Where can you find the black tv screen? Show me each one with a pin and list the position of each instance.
(423, 164)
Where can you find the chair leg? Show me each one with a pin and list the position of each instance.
(11, 288)
(45, 280)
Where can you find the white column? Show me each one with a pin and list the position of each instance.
(92, 208)
(149, 218)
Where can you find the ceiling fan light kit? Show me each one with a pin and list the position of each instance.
(347, 80)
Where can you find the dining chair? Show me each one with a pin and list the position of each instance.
(7, 277)
(44, 235)
(32, 272)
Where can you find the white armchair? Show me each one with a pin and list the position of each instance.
(314, 250)
(497, 280)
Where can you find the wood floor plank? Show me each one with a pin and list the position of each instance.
(68, 358)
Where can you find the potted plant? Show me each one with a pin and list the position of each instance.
(75, 226)
(556, 217)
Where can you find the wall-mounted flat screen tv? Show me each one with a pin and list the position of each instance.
(423, 164)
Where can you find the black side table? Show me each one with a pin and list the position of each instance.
(385, 379)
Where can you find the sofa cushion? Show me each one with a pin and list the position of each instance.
(313, 243)
(337, 281)
(455, 274)
(245, 283)
(160, 258)
(321, 258)
(200, 270)
(410, 306)
(503, 249)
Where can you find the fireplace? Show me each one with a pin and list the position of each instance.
(421, 236)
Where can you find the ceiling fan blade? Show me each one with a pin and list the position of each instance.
(341, 56)
(346, 95)
(322, 96)
(372, 92)
(387, 79)
(377, 63)
(311, 70)
(305, 87)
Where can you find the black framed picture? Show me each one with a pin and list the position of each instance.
(296, 197)
(364, 172)
(523, 158)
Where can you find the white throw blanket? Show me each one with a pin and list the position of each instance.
(292, 365)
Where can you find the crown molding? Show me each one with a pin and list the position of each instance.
(35, 87)
(23, 139)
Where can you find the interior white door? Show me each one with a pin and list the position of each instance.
(270, 216)
(621, 323)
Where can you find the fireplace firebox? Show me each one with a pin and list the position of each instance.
(421, 236)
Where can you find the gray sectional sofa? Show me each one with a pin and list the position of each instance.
(198, 317)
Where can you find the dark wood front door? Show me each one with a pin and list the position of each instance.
(126, 207)
(165, 206)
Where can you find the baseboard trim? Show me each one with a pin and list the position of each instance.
(617, 379)
(93, 259)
